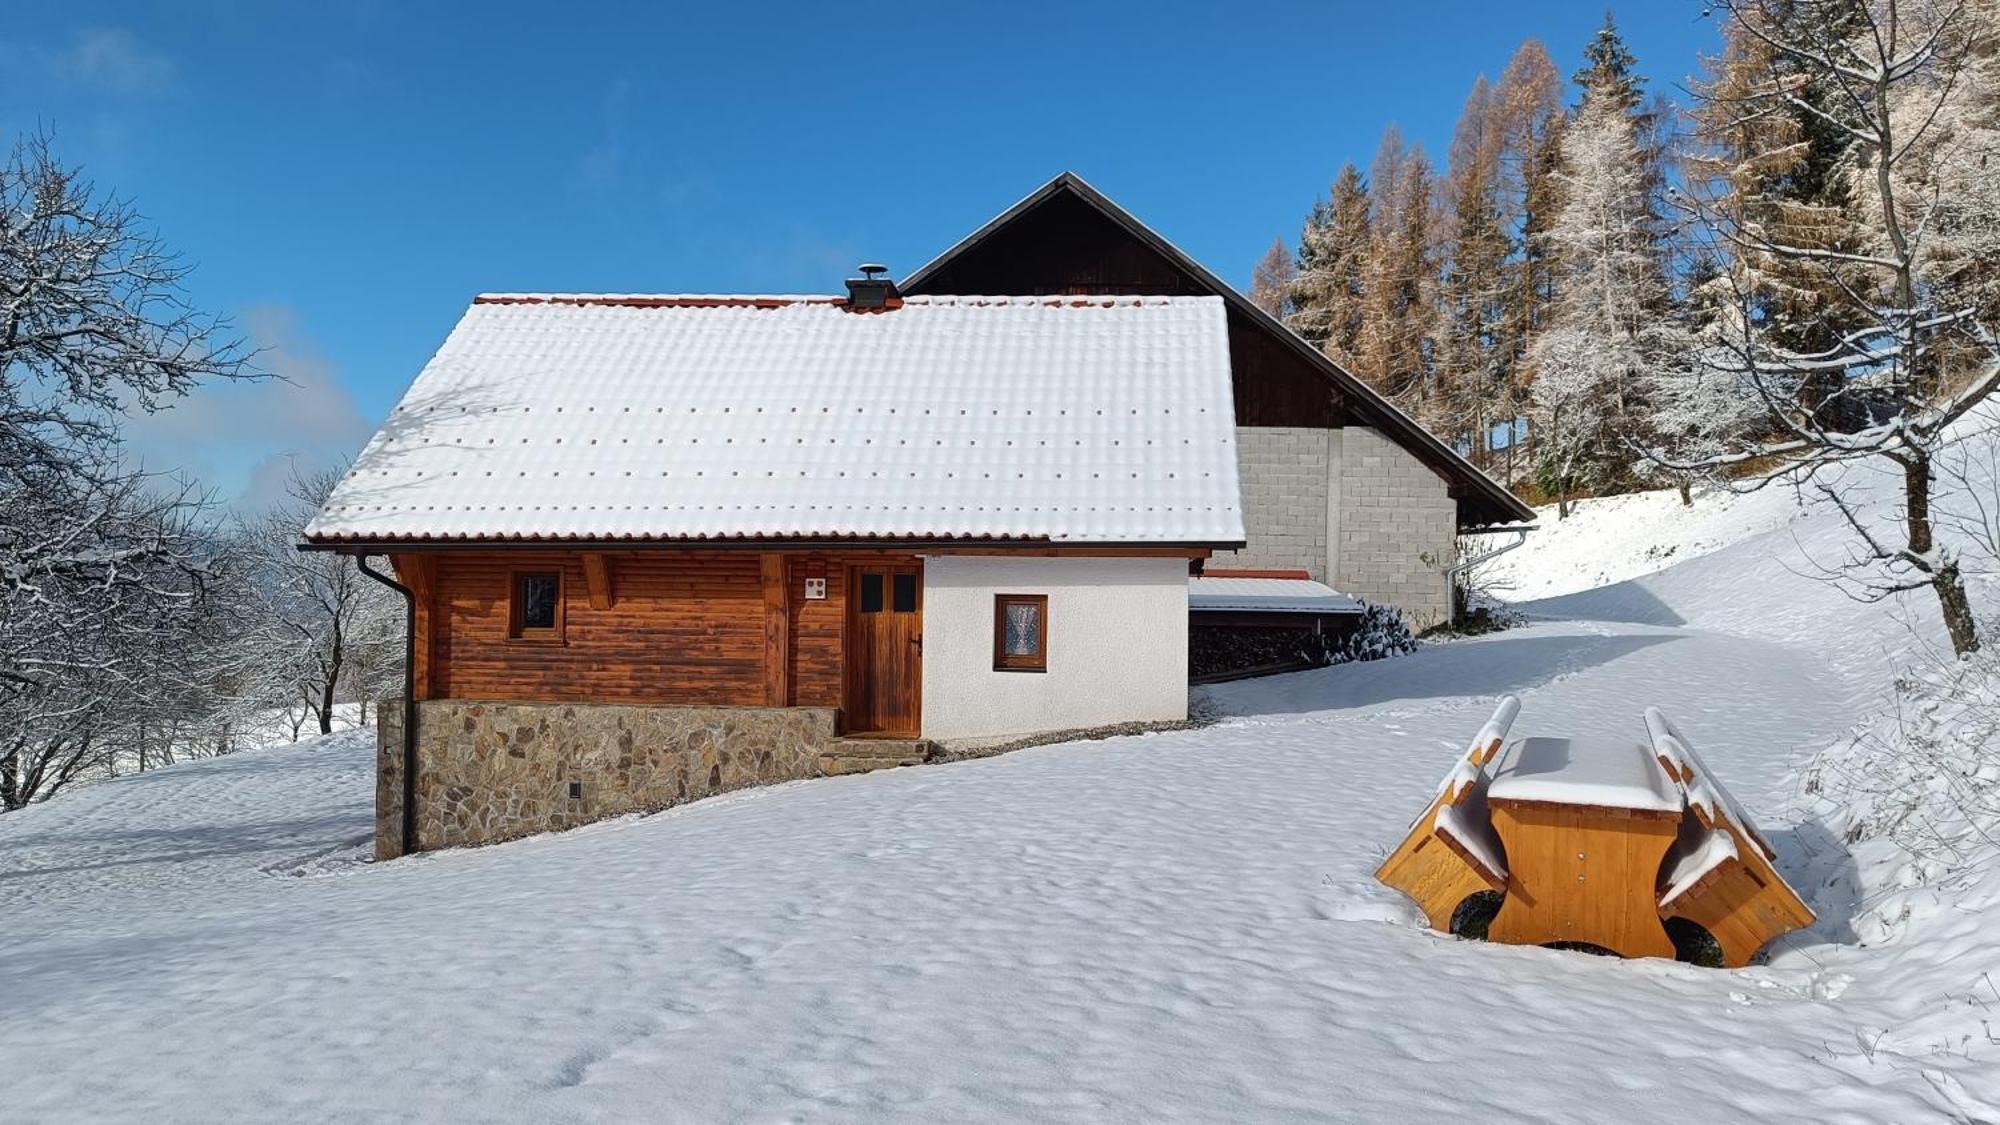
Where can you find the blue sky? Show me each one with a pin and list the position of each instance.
(346, 176)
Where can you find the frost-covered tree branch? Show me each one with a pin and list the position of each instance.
(1834, 181)
(108, 574)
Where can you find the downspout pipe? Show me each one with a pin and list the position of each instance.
(409, 699)
(1452, 575)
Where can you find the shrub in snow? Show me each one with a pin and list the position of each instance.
(1925, 775)
(1909, 858)
(1383, 633)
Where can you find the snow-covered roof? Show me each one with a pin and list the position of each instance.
(1267, 595)
(679, 417)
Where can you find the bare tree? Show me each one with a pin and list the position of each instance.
(325, 629)
(101, 565)
(1879, 74)
(89, 649)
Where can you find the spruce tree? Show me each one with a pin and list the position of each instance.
(1607, 70)
(1605, 334)
(1326, 295)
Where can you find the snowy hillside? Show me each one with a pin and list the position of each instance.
(1615, 538)
(1175, 926)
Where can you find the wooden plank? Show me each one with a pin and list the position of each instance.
(777, 630)
(597, 579)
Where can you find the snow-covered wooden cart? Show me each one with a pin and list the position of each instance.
(1594, 843)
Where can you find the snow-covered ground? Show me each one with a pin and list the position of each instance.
(1616, 538)
(1178, 926)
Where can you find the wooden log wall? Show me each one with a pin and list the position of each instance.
(717, 627)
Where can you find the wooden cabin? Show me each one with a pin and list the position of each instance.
(656, 547)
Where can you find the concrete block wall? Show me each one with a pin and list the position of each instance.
(1397, 527)
(1284, 474)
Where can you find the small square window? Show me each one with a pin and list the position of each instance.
(1020, 632)
(535, 609)
(903, 593)
(871, 593)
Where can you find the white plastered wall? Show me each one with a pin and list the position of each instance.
(1117, 645)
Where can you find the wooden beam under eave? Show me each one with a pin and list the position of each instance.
(777, 630)
(597, 579)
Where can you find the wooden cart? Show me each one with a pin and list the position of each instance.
(1594, 843)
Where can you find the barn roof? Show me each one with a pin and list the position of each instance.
(1078, 420)
(1482, 501)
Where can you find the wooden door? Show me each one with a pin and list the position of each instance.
(885, 656)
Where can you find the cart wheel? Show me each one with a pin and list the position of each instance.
(1693, 944)
(1469, 919)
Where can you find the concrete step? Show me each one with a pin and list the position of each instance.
(860, 755)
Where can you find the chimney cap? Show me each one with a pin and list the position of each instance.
(870, 269)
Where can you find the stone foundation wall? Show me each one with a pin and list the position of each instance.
(492, 771)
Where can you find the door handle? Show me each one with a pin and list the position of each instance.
(918, 640)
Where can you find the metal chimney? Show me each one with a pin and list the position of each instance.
(873, 291)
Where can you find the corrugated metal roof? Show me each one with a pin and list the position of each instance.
(1267, 595)
(558, 416)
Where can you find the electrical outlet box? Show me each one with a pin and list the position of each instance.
(815, 589)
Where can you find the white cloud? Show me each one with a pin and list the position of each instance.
(114, 59)
(243, 436)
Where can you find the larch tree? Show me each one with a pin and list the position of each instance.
(1956, 162)
(1529, 118)
(1472, 363)
(1915, 356)
(1396, 344)
(1271, 280)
